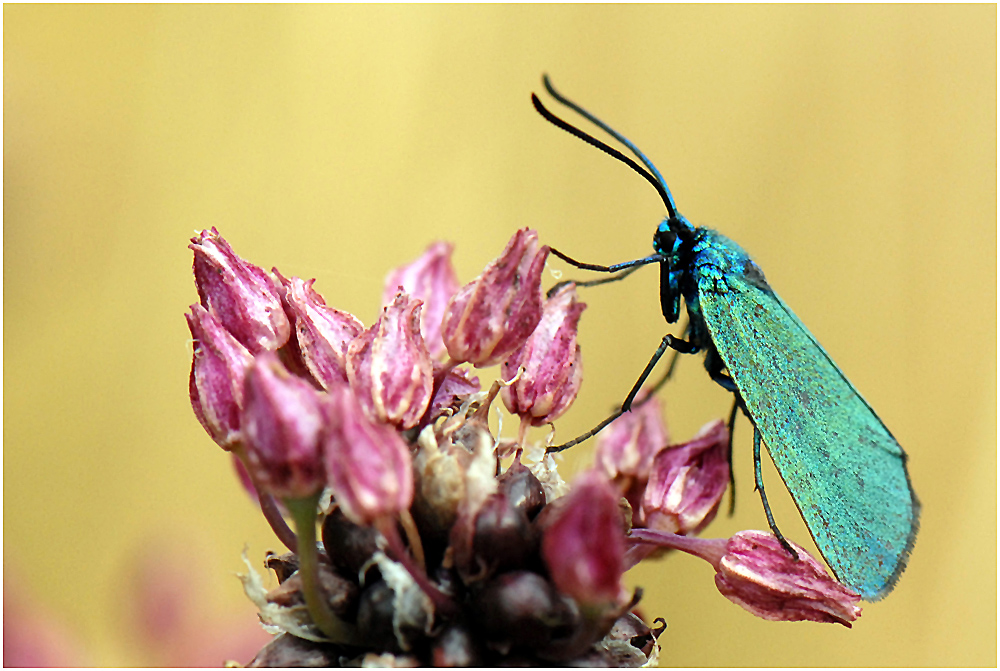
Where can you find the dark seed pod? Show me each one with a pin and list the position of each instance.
(521, 609)
(287, 651)
(504, 537)
(523, 489)
(347, 544)
(375, 618)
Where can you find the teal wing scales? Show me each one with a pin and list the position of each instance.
(845, 471)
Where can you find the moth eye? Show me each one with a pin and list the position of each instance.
(663, 240)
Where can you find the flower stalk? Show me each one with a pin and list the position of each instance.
(269, 507)
(303, 513)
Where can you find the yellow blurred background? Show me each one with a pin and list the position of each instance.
(851, 149)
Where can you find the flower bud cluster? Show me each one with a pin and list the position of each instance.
(430, 547)
(438, 548)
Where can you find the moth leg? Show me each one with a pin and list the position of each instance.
(763, 497)
(732, 475)
(593, 432)
(652, 258)
(674, 343)
(714, 366)
(679, 346)
(591, 283)
(670, 369)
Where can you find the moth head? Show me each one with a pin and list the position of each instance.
(671, 233)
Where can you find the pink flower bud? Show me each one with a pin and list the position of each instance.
(389, 367)
(583, 544)
(282, 427)
(323, 333)
(217, 371)
(687, 482)
(368, 466)
(553, 369)
(626, 448)
(432, 279)
(242, 296)
(494, 314)
(758, 574)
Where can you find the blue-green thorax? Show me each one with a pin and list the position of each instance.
(698, 259)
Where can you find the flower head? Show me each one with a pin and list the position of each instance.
(322, 332)
(494, 314)
(583, 543)
(549, 361)
(368, 466)
(431, 278)
(431, 551)
(389, 367)
(687, 482)
(282, 425)
(243, 297)
(217, 372)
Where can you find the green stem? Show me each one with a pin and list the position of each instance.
(304, 514)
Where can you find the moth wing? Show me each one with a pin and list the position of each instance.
(845, 471)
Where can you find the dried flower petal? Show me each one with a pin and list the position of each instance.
(552, 369)
(431, 278)
(489, 318)
(543, 466)
(458, 384)
(241, 295)
(217, 372)
(583, 545)
(282, 425)
(275, 618)
(389, 367)
(412, 610)
(687, 482)
(368, 466)
(455, 474)
(323, 333)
